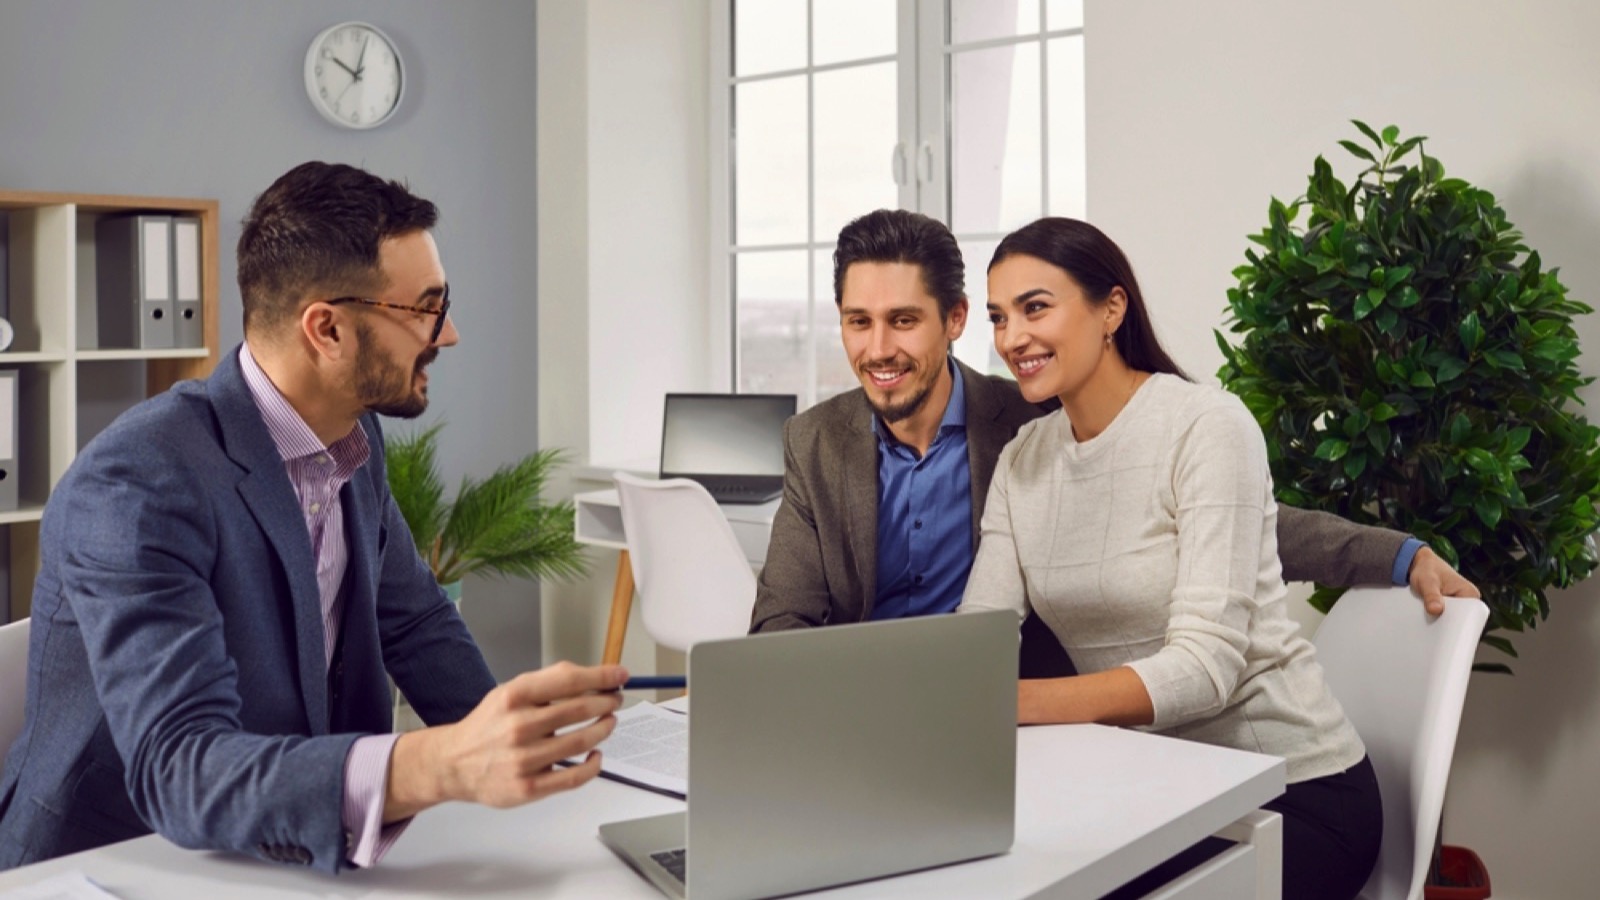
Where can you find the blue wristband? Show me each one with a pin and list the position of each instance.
(1402, 560)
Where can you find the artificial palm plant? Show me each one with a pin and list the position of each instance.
(498, 526)
(1413, 365)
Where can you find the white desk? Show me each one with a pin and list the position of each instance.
(1096, 806)
(598, 522)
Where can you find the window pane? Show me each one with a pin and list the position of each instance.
(1068, 178)
(981, 20)
(834, 375)
(855, 138)
(852, 29)
(768, 35)
(1059, 14)
(770, 297)
(770, 161)
(994, 120)
(975, 347)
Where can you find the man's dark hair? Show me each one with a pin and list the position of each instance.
(318, 229)
(895, 235)
(1097, 264)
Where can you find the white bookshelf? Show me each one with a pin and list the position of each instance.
(62, 398)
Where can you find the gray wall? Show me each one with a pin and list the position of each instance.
(196, 98)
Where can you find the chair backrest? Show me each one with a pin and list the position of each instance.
(13, 682)
(693, 579)
(1402, 680)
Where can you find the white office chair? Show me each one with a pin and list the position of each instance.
(13, 682)
(691, 574)
(1402, 680)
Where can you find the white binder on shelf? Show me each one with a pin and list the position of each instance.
(134, 282)
(188, 329)
(8, 439)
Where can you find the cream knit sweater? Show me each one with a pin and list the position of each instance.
(1154, 546)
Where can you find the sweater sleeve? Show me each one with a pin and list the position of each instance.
(996, 580)
(1222, 493)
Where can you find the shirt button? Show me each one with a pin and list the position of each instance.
(917, 524)
(323, 458)
(917, 580)
(316, 508)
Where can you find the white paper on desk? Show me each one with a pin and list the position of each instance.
(649, 748)
(70, 886)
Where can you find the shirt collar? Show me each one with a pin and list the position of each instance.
(290, 433)
(955, 412)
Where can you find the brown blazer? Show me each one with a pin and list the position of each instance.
(822, 563)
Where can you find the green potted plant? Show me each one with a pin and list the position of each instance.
(1413, 365)
(498, 526)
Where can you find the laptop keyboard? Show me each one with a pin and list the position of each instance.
(676, 862)
(723, 491)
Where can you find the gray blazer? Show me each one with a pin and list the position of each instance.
(821, 566)
(176, 670)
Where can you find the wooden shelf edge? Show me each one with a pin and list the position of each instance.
(125, 354)
(28, 513)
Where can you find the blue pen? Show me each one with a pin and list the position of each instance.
(656, 683)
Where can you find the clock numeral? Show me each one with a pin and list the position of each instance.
(319, 70)
(326, 53)
(388, 99)
(355, 117)
(324, 92)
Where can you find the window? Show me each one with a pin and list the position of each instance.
(970, 111)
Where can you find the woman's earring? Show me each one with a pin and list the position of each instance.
(1108, 339)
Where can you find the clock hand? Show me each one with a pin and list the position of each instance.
(361, 56)
(354, 73)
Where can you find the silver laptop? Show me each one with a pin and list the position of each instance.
(730, 443)
(833, 755)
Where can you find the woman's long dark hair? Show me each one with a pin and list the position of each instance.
(1097, 264)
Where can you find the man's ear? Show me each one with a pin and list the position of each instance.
(325, 331)
(956, 321)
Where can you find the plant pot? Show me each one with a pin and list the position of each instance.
(453, 592)
(1463, 875)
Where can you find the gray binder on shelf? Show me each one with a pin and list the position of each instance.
(188, 329)
(8, 439)
(134, 281)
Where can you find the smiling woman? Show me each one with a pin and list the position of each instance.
(1139, 524)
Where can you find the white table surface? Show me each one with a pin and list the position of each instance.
(1095, 807)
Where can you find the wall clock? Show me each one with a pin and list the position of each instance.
(354, 76)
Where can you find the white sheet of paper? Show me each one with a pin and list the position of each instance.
(650, 746)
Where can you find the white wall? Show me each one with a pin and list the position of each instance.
(623, 284)
(1199, 112)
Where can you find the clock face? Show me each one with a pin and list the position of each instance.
(353, 75)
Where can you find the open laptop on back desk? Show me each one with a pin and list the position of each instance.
(831, 755)
(730, 443)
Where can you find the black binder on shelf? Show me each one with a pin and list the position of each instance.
(8, 439)
(133, 261)
(188, 330)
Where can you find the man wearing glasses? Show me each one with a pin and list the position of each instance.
(227, 587)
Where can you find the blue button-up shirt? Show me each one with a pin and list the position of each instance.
(924, 517)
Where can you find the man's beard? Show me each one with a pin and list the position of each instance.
(385, 388)
(898, 411)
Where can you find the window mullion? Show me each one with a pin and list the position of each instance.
(931, 151)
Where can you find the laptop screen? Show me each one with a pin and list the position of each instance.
(724, 434)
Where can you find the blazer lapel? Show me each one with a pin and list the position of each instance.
(266, 491)
(860, 465)
(986, 437)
